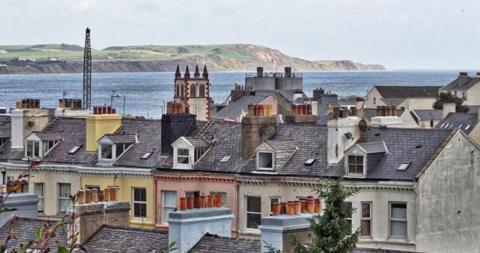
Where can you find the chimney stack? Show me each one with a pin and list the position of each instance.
(257, 126)
(288, 72)
(448, 108)
(259, 71)
(91, 216)
(175, 125)
(104, 120)
(463, 75)
(26, 118)
(187, 227)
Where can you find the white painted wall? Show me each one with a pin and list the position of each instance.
(336, 136)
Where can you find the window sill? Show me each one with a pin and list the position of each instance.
(251, 231)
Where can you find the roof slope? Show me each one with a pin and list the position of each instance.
(213, 244)
(25, 232)
(429, 114)
(462, 83)
(5, 124)
(395, 91)
(125, 239)
(74, 133)
(234, 109)
(405, 145)
(149, 134)
(465, 121)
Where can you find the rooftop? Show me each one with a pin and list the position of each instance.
(394, 91)
(462, 83)
(465, 121)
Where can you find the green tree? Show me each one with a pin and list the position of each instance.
(331, 232)
(449, 98)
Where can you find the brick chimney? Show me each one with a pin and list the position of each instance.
(257, 126)
(91, 216)
(448, 108)
(104, 120)
(26, 118)
(259, 71)
(187, 227)
(175, 125)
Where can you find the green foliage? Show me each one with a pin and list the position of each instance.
(271, 249)
(449, 98)
(331, 230)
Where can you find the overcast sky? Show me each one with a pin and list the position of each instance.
(413, 34)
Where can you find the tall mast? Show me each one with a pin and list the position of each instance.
(87, 73)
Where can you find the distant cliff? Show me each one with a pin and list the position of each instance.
(63, 58)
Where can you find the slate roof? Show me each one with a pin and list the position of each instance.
(224, 139)
(395, 91)
(213, 244)
(122, 138)
(74, 132)
(149, 140)
(24, 230)
(49, 136)
(423, 115)
(405, 145)
(462, 83)
(196, 142)
(125, 239)
(465, 121)
(234, 109)
(373, 147)
(216, 244)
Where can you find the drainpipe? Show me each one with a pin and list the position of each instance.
(237, 186)
(155, 201)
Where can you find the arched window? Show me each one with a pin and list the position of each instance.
(177, 90)
(181, 90)
(201, 91)
(193, 92)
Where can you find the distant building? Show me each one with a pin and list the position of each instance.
(406, 97)
(465, 87)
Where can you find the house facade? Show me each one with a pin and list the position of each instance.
(465, 87)
(406, 97)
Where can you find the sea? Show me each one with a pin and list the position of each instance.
(146, 94)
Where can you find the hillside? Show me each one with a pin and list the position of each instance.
(64, 58)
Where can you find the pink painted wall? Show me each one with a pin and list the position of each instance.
(187, 182)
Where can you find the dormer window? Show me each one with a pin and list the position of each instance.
(187, 151)
(355, 164)
(265, 161)
(112, 146)
(38, 144)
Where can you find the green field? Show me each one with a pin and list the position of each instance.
(148, 52)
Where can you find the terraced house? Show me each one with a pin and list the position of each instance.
(88, 151)
(260, 162)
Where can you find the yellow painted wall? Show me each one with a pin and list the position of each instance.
(126, 184)
(98, 126)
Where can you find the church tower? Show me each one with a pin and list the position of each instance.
(192, 95)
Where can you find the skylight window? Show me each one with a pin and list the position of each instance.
(74, 149)
(146, 155)
(310, 161)
(225, 159)
(468, 127)
(404, 166)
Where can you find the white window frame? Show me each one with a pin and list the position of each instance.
(63, 198)
(100, 152)
(369, 219)
(139, 202)
(36, 149)
(183, 156)
(258, 160)
(391, 219)
(164, 207)
(247, 212)
(356, 164)
(41, 198)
